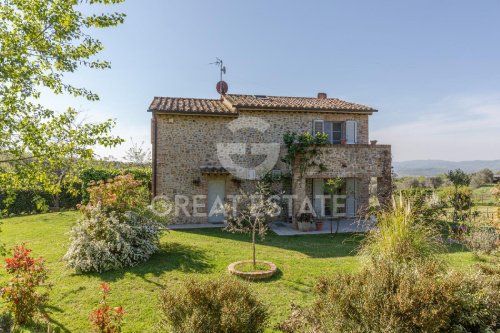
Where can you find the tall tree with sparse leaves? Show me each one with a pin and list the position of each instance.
(40, 42)
(63, 150)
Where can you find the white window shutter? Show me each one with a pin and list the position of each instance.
(318, 126)
(351, 131)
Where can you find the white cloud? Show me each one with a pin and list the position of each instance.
(456, 128)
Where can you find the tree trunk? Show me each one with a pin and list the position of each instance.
(56, 202)
(253, 246)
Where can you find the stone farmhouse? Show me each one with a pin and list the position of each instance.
(207, 150)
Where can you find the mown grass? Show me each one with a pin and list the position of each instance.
(200, 253)
(249, 267)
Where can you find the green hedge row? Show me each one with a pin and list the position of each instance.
(31, 202)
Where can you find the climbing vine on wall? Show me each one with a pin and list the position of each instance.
(302, 150)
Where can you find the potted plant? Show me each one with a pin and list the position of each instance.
(343, 141)
(319, 225)
(305, 221)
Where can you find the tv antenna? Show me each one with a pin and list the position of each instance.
(222, 86)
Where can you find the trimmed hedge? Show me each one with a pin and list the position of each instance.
(26, 200)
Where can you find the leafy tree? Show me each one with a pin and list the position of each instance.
(460, 199)
(434, 182)
(61, 150)
(458, 178)
(481, 178)
(137, 154)
(249, 214)
(40, 42)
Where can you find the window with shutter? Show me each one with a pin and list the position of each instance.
(318, 126)
(328, 130)
(351, 131)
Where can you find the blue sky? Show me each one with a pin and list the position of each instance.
(431, 68)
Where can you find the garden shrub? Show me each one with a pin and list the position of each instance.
(102, 240)
(402, 287)
(401, 236)
(120, 194)
(388, 298)
(25, 294)
(118, 227)
(103, 318)
(460, 199)
(6, 322)
(93, 175)
(482, 240)
(223, 305)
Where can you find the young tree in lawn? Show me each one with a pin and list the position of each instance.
(40, 42)
(250, 213)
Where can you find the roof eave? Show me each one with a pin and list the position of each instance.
(187, 113)
(305, 109)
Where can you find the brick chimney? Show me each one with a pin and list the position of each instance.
(321, 95)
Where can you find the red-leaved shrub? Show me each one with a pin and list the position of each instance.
(121, 194)
(24, 294)
(103, 318)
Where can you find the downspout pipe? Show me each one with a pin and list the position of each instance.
(155, 154)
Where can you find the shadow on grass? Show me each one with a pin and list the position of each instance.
(47, 324)
(170, 257)
(315, 246)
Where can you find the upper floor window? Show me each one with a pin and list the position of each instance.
(337, 131)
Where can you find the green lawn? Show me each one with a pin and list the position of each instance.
(202, 253)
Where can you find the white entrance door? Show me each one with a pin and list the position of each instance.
(216, 194)
(351, 194)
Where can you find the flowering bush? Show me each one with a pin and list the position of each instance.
(23, 293)
(103, 319)
(105, 240)
(121, 194)
(118, 228)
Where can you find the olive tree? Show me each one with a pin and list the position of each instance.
(250, 213)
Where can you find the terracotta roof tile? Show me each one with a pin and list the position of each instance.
(294, 103)
(189, 105)
(217, 106)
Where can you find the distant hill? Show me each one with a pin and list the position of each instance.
(436, 167)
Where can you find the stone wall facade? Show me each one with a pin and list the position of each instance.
(184, 143)
(361, 162)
